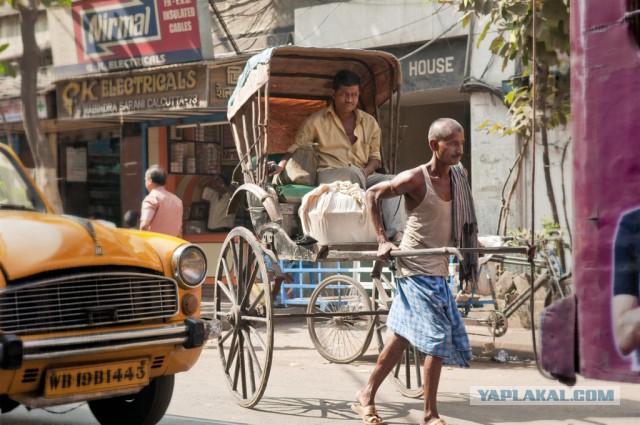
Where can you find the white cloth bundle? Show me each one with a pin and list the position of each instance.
(336, 213)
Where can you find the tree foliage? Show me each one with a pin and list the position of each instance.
(42, 151)
(6, 67)
(510, 22)
(543, 54)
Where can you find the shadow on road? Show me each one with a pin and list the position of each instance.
(330, 410)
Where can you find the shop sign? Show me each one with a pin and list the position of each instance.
(113, 95)
(106, 35)
(223, 81)
(12, 109)
(437, 66)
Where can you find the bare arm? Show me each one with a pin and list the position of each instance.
(305, 136)
(371, 167)
(626, 316)
(280, 166)
(404, 184)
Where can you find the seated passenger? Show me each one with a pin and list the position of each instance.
(218, 193)
(348, 146)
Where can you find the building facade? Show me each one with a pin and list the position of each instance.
(123, 97)
(445, 74)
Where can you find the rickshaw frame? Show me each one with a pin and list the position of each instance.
(277, 90)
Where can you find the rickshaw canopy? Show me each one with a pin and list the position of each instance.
(306, 73)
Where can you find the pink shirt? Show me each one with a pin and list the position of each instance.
(162, 212)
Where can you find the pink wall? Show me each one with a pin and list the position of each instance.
(606, 128)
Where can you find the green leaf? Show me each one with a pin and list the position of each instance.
(478, 6)
(518, 9)
(488, 7)
(466, 19)
(6, 68)
(496, 44)
(483, 34)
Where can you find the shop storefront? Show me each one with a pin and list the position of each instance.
(174, 116)
(11, 120)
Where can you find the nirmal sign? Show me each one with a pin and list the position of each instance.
(110, 35)
(119, 25)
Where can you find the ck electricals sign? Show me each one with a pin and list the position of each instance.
(105, 35)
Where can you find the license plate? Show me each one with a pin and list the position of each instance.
(100, 377)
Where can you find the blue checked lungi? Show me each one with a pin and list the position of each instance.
(425, 313)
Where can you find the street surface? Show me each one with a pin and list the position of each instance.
(305, 389)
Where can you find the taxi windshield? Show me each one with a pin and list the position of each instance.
(16, 192)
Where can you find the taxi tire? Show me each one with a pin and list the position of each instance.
(146, 407)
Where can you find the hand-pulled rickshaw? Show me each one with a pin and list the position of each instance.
(278, 89)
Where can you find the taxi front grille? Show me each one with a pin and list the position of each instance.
(86, 300)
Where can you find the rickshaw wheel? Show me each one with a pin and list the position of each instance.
(407, 375)
(340, 339)
(243, 304)
(497, 323)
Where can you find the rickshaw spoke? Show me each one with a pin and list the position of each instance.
(252, 351)
(407, 367)
(238, 261)
(227, 291)
(250, 283)
(252, 378)
(225, 336)
(232, 351)
(259, 338)
(256, 301)
(236, 372)
(227, 274)
(246, 361)
(396, 370)
(239, 372)
(417, 367)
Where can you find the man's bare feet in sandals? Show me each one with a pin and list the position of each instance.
(368, 414)
(366, 408)
(436, 421)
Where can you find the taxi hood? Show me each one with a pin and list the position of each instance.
(32, 242)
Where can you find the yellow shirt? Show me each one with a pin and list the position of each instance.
(334, 148)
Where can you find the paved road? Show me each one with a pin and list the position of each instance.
(305, 389)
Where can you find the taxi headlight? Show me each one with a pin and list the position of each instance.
(189, 266)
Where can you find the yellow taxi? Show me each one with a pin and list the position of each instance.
(90, 312)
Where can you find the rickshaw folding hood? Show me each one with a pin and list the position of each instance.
(307, 73)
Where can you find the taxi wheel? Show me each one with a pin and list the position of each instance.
(146, 407)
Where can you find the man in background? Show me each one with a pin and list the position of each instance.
(131, 219)
(161, 210)
(218, 194)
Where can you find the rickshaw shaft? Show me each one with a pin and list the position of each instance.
(334, 314)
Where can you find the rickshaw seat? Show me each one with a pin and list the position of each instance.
(288, 193)
(293, 193)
